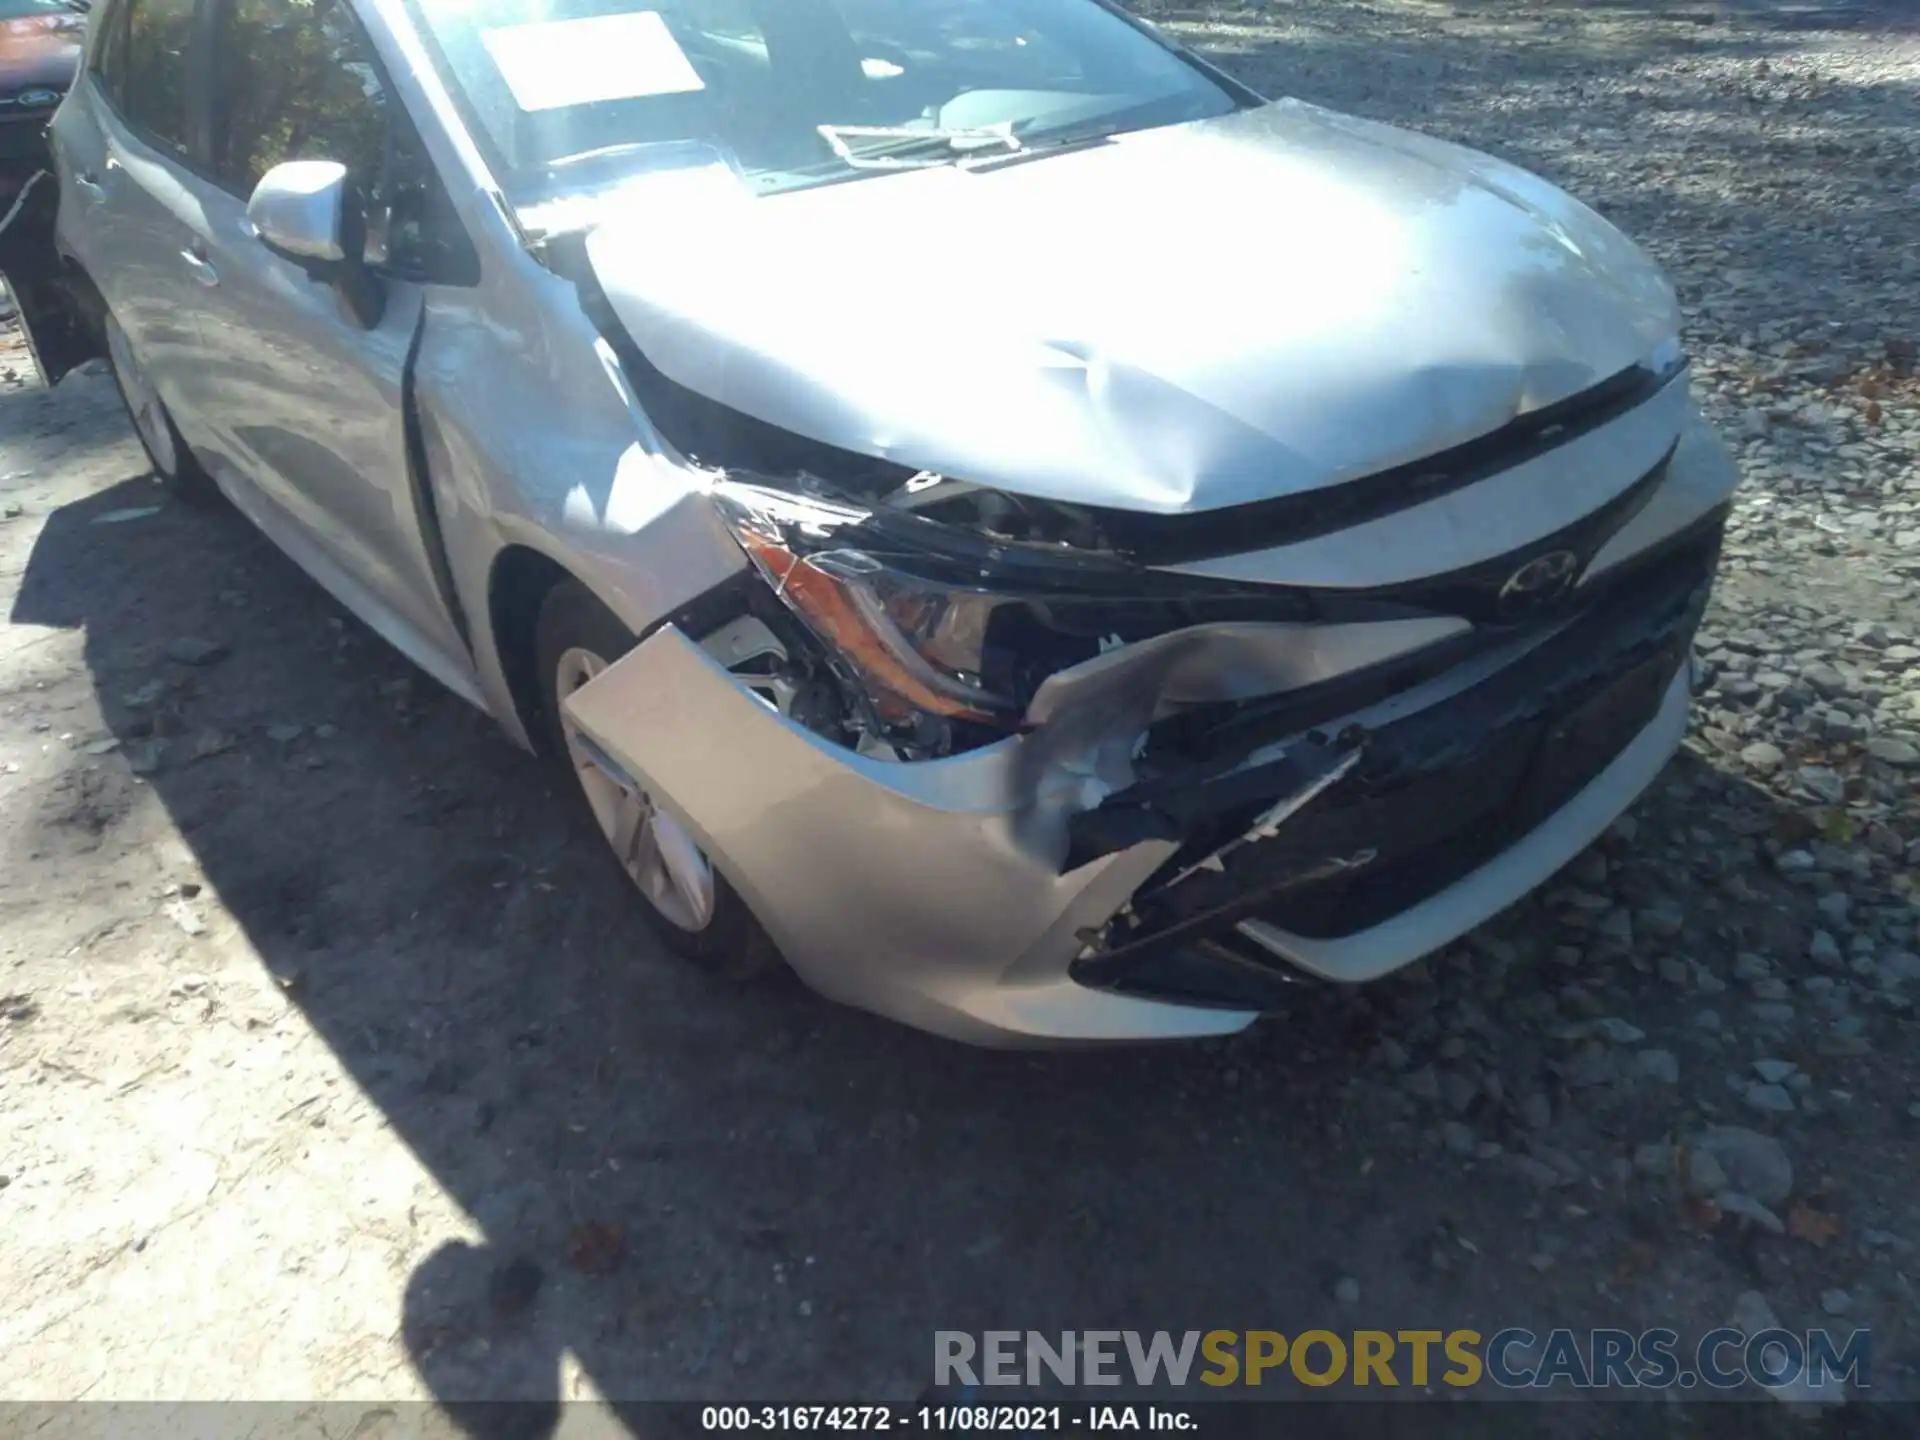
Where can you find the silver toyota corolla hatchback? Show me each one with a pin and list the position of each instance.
(979, 504)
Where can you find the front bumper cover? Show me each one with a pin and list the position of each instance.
(921, 900)
(941, 892)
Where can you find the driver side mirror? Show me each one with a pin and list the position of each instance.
(306, 211)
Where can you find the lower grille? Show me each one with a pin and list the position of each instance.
(1440, 793)
(1439, 828)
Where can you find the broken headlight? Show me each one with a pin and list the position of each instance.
(938, 622)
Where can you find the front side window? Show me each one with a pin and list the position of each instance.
(110, 53)
(296, 82)
(153, 80)
(797, 92)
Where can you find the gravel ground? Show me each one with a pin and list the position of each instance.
(325, 1041)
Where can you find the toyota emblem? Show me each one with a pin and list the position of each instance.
(1538, 583)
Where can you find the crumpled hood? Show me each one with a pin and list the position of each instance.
(1183, 319)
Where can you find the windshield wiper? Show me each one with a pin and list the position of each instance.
(664, 154)
(1095, 131)
(899, 144)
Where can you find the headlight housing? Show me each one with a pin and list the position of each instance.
(939, 622)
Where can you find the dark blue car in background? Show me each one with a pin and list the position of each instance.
(39, 55)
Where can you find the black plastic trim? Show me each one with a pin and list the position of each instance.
(426, 506)
(1481, 772)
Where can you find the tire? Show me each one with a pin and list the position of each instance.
(723, 937)
(174, 466)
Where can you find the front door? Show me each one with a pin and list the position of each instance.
(308, 404)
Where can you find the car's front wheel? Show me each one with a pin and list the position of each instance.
(173, 463)
(688, 902)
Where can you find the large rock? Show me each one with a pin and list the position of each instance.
(1754, 1164)
(1891, 750)
(1825, 678)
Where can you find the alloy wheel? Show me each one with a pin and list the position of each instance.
(656, 851)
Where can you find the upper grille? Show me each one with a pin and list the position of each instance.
(1285, 519)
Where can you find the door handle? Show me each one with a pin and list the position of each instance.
(89, 186)
(202, 268)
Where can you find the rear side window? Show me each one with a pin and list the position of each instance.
(296, 82)
(150, 58)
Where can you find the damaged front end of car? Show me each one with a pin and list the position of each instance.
(977, 766)
(1039, 763)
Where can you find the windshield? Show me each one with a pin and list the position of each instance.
(795, 92)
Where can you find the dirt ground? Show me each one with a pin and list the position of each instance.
(334, 1061)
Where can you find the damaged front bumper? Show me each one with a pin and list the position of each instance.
(916, 890)
(1033, 891)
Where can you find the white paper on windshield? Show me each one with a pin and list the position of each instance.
(576, 62)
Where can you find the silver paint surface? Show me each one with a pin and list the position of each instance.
(297, 208)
